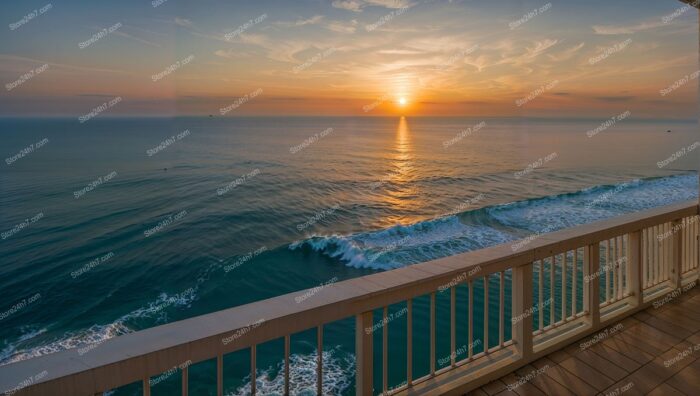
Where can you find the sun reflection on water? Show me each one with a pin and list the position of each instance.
(402, 194)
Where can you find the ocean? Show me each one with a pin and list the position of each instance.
(119, 224)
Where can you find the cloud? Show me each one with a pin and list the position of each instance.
(311, 21)
(540, 47)
(400, 52)
(615, 99)
(132, 37)
(350, 5)
(358, 5)
(567, 53)
(231, 54)
(279, 50)
(342, 27)
(628, 29)
(391, 3)
(8, 61)
(183, 22)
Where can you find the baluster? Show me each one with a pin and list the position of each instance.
(611, 265)
(591, 298)
(634, 267)
(385, 350)
(522, 307)
(618, 266)
(540, 289)
(486, 314)
(552, 319)
(607, 271)
(563, 287)
(647, 258)
(363, 354)
(220, 375)
(409, 342)
(253, 365)
(676, 270)
(319, 360)
(668, 265)
(453, 326)
(287, 348)
(501, 312)
(432, 334)
(185, 380)
(654, 257)
(574, 280)
(471, 319)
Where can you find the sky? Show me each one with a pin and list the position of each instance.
(564, 58)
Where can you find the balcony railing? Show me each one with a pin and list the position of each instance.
(564, 285)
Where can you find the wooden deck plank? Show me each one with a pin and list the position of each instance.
(478, 392)
(686, 381)
(494, 387)
(644, 381)
(587, 373)
(686, 310)
(615, 357)
(666, 390)
(605, 366)
(654, 353)
(668, 326)
(559, 356)
(564, 377)
(653, 374)
(507, 393)
(544, 383)
(512, 380)
(628, 350)
(680, 319)
(650, 338)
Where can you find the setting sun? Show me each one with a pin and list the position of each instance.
(402, 101)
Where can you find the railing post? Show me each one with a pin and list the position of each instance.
(522, 310)
(634, 268)
(364, 354)
(677, 254)
(591, 290)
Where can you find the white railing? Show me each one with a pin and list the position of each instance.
(564, 285)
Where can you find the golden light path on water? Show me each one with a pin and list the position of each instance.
(402, 195)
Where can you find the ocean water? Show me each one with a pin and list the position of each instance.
(117, 225)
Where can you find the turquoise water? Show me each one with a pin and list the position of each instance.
(242, 209)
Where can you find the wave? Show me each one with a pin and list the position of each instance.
(403, 245)
(32, 344)
(396, 247)
(338, 369)
(596, 203)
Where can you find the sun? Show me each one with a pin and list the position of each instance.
(402, 101)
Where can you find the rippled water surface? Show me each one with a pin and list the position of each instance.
(101, 239)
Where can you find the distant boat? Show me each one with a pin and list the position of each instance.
(669, 131)
(213, 116)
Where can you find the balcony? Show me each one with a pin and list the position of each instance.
(564, 286)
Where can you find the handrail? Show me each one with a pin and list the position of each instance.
(145, 353)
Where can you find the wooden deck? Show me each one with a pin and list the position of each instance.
(654, 352)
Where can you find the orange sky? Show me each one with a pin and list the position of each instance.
(358, 57)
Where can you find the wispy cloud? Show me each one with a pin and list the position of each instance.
(8, 59)
(132, 37)
(566, 54)
(310, 21)
(627, 29)
(350, 5)
(359, 5)
(342, 27)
